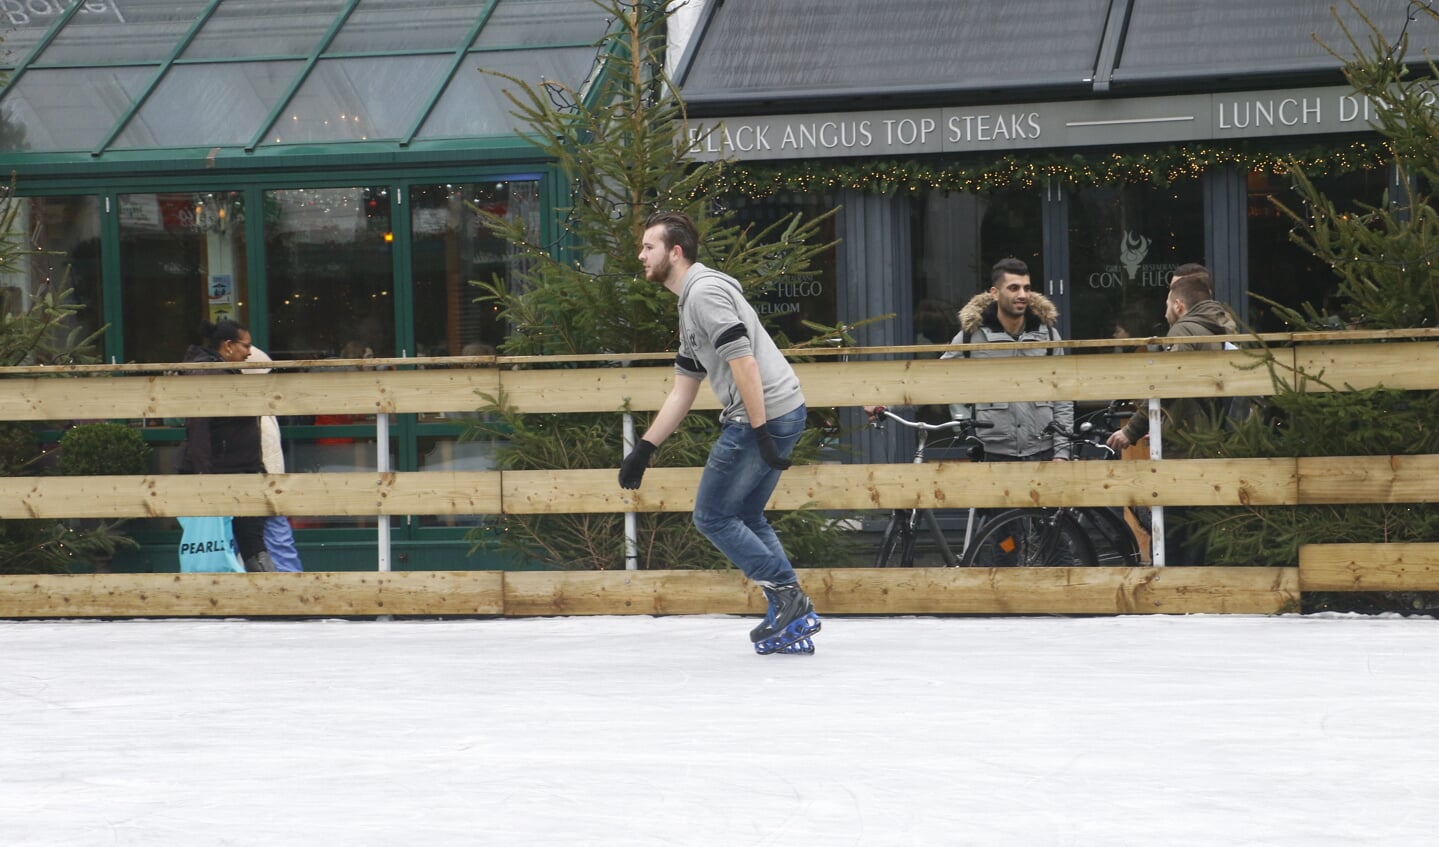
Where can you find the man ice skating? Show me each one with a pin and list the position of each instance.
(720, 336)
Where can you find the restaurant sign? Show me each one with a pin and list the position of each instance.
(1081, 123)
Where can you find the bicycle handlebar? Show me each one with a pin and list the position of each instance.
(1087, 434)
(927, 427)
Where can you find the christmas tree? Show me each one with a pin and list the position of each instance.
(1384, 257)
(623, 143)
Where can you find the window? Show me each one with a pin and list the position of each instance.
(790, 302)
(1124, 242)
(182, 262)
(330, 273)
(63, 237)
(1281, 270)
(452, 249)
(956, 238)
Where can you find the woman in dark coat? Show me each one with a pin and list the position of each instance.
(225, 445)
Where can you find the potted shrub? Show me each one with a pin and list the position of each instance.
(103, 449)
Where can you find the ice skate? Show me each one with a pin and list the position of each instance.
(789, 622)
(804, 647)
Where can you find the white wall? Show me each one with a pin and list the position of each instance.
(684, 16)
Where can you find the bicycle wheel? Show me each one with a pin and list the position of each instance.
(890, 540)
(1029, 538)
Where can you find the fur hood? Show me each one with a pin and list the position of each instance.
(981, 309)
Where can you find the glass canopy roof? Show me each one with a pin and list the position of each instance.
(97, 76)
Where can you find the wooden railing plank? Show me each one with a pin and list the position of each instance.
(172, 396)
(253, 595)
(655, 592)
(922, 379)
(1192, 482)
(1057, 591)
(938, 485)
(837, 591)
(1368, 479)
(607, 390)
(1406, 365)
(413, 493)
(1369, 567)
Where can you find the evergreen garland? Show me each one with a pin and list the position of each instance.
(1160, 166)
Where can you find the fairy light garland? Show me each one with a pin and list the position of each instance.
(1159, 167)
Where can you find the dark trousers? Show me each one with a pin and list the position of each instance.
(249, 532)
(250, 536)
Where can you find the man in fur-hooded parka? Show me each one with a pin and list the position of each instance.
(1010, 312)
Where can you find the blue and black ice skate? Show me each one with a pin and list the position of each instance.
(789, 622)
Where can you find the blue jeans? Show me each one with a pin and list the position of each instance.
(280, 541)
(734, 488)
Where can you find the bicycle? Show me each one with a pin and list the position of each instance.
(902, 531)
(1064, 536)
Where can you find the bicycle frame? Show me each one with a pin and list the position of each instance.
(902, 530)
(1107, 537)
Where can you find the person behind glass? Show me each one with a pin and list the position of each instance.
(1013, 311)
(721, 337)
(228, 444)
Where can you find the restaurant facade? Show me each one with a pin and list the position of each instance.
(309, 168)
(1104, 142)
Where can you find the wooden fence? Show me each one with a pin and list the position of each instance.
(596, 385)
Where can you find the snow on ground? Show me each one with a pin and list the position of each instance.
(669, 731)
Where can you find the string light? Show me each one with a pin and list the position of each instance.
(1020, 170)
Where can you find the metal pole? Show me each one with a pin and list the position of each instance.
(632, 533)
(382, 464)
(1156, 513)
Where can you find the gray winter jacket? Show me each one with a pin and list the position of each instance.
(1018, 427)
(717, 324)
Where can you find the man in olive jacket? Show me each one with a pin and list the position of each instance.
(1193, 314)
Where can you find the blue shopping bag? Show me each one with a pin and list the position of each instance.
(207, 545)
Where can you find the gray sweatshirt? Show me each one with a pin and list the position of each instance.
(717, 324)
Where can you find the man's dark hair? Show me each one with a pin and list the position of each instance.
(1193, 270)
(679, 232)
(1011, 265)
(1191, 290)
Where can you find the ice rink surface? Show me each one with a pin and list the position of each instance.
(669, 731)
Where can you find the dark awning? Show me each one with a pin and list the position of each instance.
(798, 50)
(811, 55)
(1184, 40)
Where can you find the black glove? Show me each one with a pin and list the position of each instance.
(768, 450)
(632, 469)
